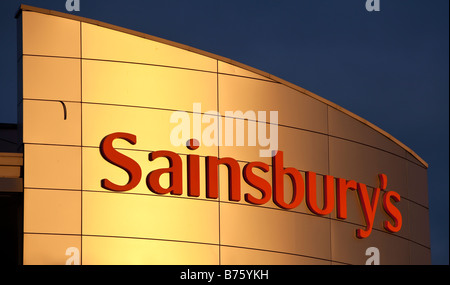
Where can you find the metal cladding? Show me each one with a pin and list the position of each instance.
(138, 150)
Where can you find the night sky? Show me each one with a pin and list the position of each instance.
(390, 67)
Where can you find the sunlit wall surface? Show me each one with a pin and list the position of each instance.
(83, 81)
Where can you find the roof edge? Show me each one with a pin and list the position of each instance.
(227, 60)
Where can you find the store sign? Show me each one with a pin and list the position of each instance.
(302, 190)
(111, 135)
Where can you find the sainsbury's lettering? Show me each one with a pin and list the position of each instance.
(332, 187)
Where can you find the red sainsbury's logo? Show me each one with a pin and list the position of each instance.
(303, 189)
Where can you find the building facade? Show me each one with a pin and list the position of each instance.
(138, 150)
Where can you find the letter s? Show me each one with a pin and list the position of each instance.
(392, 211)
(257, 182)
(114, 157)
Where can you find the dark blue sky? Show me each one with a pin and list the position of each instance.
(389, 67)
